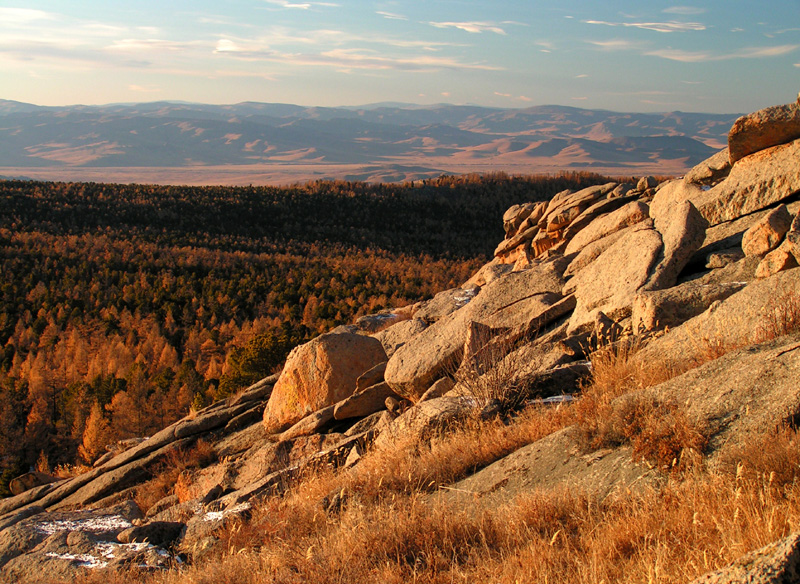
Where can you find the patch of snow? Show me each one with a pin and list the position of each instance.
(465, 296)
(91, 524)
(82, 560)
(218, 515)
(109, 550)
(555, 399)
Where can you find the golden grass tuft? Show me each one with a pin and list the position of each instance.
(173, 475)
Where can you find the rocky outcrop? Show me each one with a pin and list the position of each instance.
(609, 283)
(764, 129)
(768, 233)
(517, 300)
(561, 460)
(319, 374)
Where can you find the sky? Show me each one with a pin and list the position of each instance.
(717, 56)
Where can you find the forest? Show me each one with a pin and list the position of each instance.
(123, 307)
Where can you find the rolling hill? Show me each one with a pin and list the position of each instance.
(151, 142)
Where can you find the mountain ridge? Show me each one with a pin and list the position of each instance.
(59, 142)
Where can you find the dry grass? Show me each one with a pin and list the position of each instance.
(782, 317)
(692, 526)
(172, 474)
(389, 530)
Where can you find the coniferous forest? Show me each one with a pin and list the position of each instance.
(122, 307)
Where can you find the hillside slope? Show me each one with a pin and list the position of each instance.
(612, 398)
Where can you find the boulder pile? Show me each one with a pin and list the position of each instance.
(695, 259)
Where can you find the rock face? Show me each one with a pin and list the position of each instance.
(557, 461)
(776, 563)
(763, 129)
(631, 214)
(768, 233)
(755, 182)
(609, 283)
(319, 374)
(518, 299)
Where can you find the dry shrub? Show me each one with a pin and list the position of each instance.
(490, 369)
(782, 317)
(776, 455)
(658, 431)
(172, 476)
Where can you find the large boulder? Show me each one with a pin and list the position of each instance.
(763, 129)
(516, 300)
(756, 182)
(630, 214)
(567, 206)
(29, 480)
(683, 231)
(425, 419)
(319, 374)
(710, 171)
(598, 209)
(669, 308)
(444, 303)
(516, 214)
(399, 334)
(365, 402)
(778, 260)
(609, 283)
(593, 250)
(768, 233)
(743, 318)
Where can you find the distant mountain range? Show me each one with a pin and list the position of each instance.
(378, 142)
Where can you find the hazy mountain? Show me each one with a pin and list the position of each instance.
(383, 136)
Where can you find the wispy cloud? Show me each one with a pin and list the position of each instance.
(473, 27)
(346, 59)
(23, 15)
(581, 76)
(615, 45)
(139, 45)
(702, 56)
(143, 89)
(300, 5)
(672, 26)
(391, 16)
(684, 10)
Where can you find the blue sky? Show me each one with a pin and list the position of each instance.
(716, 56)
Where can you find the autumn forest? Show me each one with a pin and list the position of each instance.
(123, 307)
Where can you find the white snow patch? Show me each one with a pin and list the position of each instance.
(83, 560)
(90, 524)
(109, 550)
(217, 515)
(465, 296)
